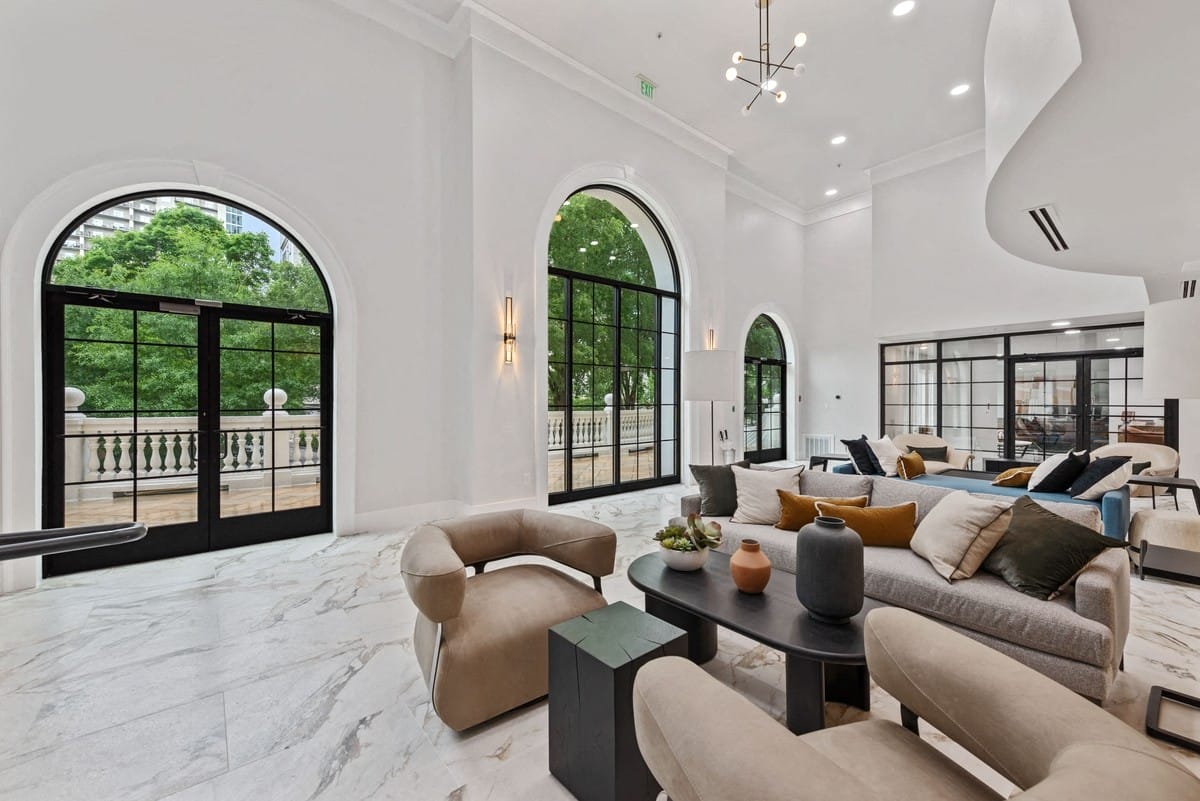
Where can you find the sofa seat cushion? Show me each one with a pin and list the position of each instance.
(988, 488)
(494, 654)
(986, 604)
(896, 764)
(778, 546)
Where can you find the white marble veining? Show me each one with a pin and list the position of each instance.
(285, 671)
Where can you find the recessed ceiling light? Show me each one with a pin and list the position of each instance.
(1060, 324)
(961, 89)
(1113, 339)
(1073, 331)
(830, 192)
(903, 7)
(838, 140)
(1119, 347)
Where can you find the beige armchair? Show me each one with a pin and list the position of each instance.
(482, 641)
(1163, 459)
(957, 460)
(704, 742)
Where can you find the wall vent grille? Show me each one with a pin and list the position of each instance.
(1189, 288)
(1044, 216)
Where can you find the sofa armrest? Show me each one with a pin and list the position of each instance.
(1102, 595)
(684, 719)
(1114, 511)
(1012, 717)
(689, 505)
(433, 573)
(585, 545)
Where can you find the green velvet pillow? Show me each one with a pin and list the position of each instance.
(718, 492)
(1042, 552)
(930, 454)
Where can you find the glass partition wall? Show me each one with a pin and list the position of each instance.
(1025, 396)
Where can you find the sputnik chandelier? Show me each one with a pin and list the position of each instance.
(767, 69)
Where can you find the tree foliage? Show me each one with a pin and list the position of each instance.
(187, 254)
(604, 319)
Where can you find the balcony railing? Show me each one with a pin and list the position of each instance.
(593, 428)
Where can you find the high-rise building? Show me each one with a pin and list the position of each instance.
(134, 215)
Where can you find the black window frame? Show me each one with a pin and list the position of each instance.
(760, 454)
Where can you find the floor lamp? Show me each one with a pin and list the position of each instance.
(709, 375)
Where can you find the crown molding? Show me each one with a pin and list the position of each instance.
(410, 22)
(748, 190)
(838, 208)
(489, 28)
(929, 157)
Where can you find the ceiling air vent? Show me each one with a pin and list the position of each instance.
(1047, 223)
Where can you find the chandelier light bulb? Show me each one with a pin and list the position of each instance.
(737, 57)
(745, 111)
(781, 97)
(799, 69)
(731, 74)
(801, 39)
(770, 84)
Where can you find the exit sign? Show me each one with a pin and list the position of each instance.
(646, 87)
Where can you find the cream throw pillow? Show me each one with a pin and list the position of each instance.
(757, 499)
(887, 453)
(959, 533)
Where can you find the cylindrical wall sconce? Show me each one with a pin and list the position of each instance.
(510, 334)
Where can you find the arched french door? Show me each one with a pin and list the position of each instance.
(187, 357)
(613, 350)
(764, 427)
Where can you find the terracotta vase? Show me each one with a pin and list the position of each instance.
(750, 568)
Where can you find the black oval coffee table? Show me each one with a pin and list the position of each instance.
(824, 662)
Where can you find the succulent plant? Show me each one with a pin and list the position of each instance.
(695, 536)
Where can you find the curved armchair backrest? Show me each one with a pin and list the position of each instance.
(1032, 730)
(435, 558)
(1159, 456)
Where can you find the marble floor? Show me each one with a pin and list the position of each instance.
(285, 671)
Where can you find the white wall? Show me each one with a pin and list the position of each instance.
(423, 184)
(936, 269)
(839, 343)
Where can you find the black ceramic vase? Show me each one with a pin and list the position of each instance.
(829, 570)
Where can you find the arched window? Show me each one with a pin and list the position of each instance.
(613, 348)
(765, 402)
(188, 366)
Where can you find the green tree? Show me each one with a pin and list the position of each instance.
(187, 254)
(592, 238)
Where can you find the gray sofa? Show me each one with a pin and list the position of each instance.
(1077, 639)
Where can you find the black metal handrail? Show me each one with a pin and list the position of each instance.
(62, 540)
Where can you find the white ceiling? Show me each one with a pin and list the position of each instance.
(880, 80)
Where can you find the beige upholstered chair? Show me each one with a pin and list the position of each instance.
(482, 641)
(957, 460)
(1163, 459)
(704, 742)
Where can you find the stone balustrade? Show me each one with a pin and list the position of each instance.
(593, 428)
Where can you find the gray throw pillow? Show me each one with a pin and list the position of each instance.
(718, 492)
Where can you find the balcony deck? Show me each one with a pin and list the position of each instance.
(180, 507)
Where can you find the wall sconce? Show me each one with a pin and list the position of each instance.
(710, 342)
(510, 334)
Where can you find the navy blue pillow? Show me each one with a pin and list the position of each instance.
(1063, 476)
(1096, 472)
(865, 460)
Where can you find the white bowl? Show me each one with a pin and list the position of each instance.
(683, 560)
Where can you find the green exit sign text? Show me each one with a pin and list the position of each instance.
(646, 87)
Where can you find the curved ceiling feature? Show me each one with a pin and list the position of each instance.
(1114, 153)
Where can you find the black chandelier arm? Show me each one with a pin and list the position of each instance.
(747, 80)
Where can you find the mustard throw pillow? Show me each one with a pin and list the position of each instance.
(800, 510)
(910, 465)
(887, 526)
(1016, 477)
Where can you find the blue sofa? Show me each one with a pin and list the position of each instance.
(1114, 506)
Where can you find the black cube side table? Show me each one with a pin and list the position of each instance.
(593, 659)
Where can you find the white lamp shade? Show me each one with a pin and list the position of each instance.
(1171, 366)
(709, 375)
